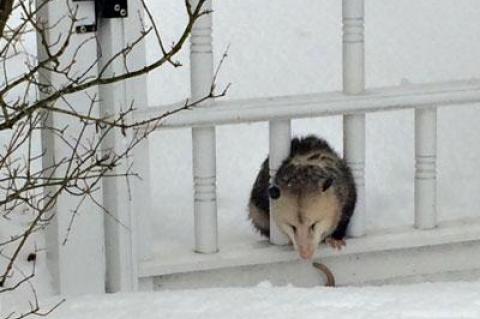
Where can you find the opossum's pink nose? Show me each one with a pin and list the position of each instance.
(306, 253)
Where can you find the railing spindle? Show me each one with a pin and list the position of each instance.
(203, 139)
(425, 168)
(280, 135)
(354, 125)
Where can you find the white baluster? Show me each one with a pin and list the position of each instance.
(280, 135)
(425, 168)
(203, 139)
(354, 125)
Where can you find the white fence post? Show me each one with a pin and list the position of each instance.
(78, 267)
(280, 140)
(203, 139)
(128, 235)
(141, 202)
(354, 125)
(425, 168)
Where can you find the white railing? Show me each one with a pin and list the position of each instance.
(279, 141)
(353, 102)
(425, 168)
(354, 125)
(402, 97)
(203, 138)
(129, 256)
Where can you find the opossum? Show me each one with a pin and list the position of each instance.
(313, 194)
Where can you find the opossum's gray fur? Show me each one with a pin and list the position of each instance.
(310, 164)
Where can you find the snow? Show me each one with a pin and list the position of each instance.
(427, 300)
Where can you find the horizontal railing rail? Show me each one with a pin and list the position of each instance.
(410, 96)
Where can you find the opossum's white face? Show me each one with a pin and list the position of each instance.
(307, 219)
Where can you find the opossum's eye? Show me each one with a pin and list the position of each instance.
(326, 185)
(312, 228)
(294, 228)
(274, 192)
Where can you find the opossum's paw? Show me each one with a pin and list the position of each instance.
(336, 243)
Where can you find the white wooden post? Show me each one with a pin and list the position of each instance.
(354, 125)
(78, 267)
(128, 234)
(280, 140)
(425, 168)
(203, 139)
(141, 197)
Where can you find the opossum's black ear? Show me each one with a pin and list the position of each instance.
(327, 183)
(274, 192)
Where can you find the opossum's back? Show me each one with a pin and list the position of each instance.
(311, 166)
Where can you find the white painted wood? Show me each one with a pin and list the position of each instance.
(353, 46)
(119, 249)
(78, 267)
(128, 233)
(402, 97)
(118, 244)
(412, 264)
(203, 139)
(418, 263)
(205, 206)
(136, 93)
(425, 168)
(354, 154)
(264, 253)
(354, 125)
(280, 136)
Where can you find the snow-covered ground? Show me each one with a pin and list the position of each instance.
(428, 300)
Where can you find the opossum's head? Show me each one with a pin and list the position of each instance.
(306, 218)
